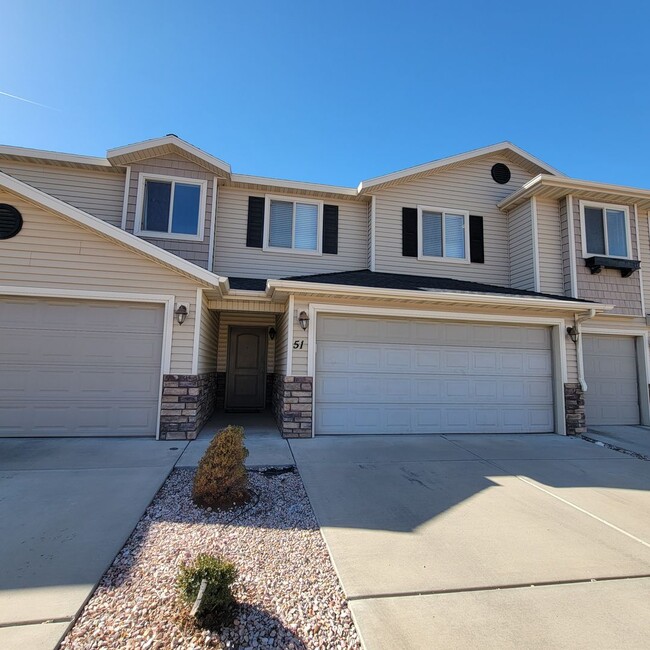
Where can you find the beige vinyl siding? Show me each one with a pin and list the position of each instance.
(100, 193)
(467, 186)
(520, 244)
(644, 254)
(208, 339)
(174, 165)
(234, 258)
(281, 344)
(370, 235)
(569, 290)
(51, 252)
(299, 358)
(608, 286)
(549, 238)
(248, 319)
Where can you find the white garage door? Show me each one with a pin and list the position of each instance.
(414, 376)
(79, 368)
(612, 395)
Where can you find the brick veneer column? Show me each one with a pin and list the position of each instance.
(574, 404)
(187, 402)
(292, 406)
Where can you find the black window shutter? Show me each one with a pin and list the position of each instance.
(331, 229)
(476, 248)
(409, 232)
(255, 229)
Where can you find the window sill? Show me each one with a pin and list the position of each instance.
(597, 263)
(291, 251)
(150, 234)
(443, 260)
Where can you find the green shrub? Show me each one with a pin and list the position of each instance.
(215, 610)
(221, 481)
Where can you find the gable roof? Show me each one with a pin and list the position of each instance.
(171, 143)
(157, 254)
(511, 151)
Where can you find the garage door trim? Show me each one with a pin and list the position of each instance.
(113, 296)
(557, 326)
(643, 363)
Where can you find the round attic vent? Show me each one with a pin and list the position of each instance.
(11, 222)
(500, 173)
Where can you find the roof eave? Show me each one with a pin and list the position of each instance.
(291, 286)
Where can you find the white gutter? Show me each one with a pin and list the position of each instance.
(579, 319)
(441, 296)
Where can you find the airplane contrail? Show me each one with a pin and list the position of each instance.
(29, 101)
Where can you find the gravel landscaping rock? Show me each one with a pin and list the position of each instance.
(287, 590)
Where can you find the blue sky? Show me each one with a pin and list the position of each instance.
(334, 92)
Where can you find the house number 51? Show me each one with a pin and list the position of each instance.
(298, 345)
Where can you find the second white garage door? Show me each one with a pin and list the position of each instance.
(612, 395)
(388, 376)
(79, 367)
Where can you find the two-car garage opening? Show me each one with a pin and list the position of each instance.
(397, 375)
(72, 367)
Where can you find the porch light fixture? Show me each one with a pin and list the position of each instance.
(272, 333)
(303, 320)
(572, 333)
(181, 313)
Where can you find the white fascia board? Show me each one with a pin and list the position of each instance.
(435, 295)
(131, 241)
(571, 185)
(167, 140)
(475, 153)
(295, 185)
(41, 154)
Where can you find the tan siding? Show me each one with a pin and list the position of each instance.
(233, 258)
(608, 286)
(550, 247)
(644, 254)
(174, 165)
(251, 319)
(571, 356)
(520, 245)
(51, 252)
(299, 358)
(566, 251)
(369, 243)
(99, 193)
(208, 339)
(281, 344)
(466, 187)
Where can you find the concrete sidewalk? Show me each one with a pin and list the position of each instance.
(420, 526)
(67, 506)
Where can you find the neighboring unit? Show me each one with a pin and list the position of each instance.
(481, 293)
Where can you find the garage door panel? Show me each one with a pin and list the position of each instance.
(75, 367)
(439, 380)
(610, 364)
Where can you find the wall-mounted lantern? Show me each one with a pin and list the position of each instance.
(181, 312)
(572, 333)
(272, 333)
(303, 320)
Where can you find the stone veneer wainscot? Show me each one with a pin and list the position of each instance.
(292, 405)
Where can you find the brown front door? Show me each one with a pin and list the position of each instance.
(246, 374)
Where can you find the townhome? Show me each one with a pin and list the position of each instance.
(485, 293)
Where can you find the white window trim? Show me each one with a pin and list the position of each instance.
(139, 208)
(267, 225)
(443, 211)
(583, 231)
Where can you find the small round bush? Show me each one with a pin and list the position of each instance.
(216, 606)
(221, 481)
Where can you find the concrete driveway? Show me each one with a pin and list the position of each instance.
(438, 539)
(66, 508)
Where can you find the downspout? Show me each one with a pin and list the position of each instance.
(579, 320)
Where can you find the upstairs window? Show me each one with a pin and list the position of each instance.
(606, 230)
(443, 234)
(171, 207)
(293, 225)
